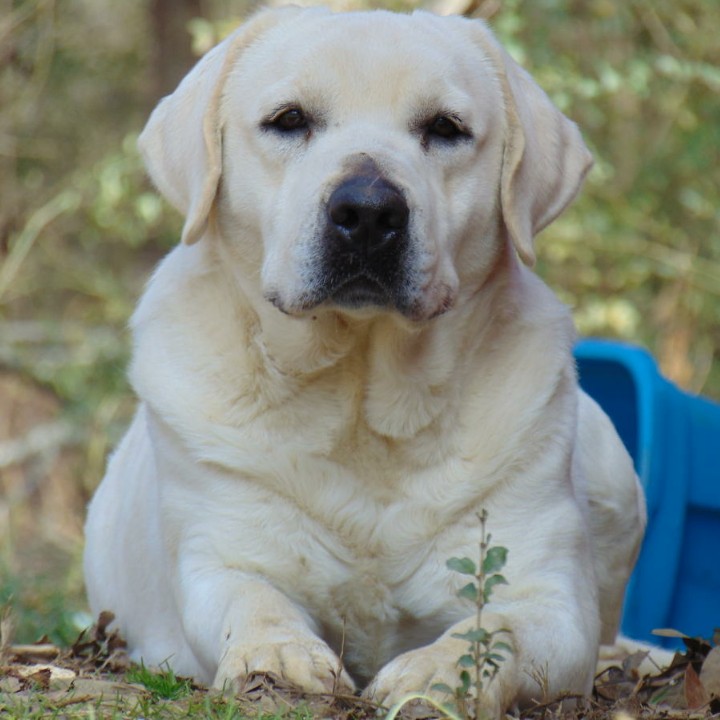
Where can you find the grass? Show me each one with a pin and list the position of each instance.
(197, 705)
(163, 685)
(41, 608)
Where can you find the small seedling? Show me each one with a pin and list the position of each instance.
(481, 663)
(162, 684)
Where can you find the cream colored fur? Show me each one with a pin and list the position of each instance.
(296, 472)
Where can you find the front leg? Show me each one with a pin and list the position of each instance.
(554, 652)
(238, 623)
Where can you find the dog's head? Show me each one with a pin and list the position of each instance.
(364, 161)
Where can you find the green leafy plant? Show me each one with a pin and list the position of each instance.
(481, 663)
(164, 684)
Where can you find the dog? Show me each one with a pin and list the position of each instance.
(347, 359)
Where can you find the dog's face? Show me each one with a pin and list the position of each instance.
(375, 143)
(365, 161)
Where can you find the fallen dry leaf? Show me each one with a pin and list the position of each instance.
(36, 651)
(669, 633)
(53, 672)
(99, 649)
(710, 672)
(40, 678)
(632, 663)
(8, 682)
(695, 694)
(97, 688)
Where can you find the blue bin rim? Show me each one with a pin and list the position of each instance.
(647, 379)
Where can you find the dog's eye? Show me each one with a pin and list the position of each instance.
(445, 127)
(289, 120)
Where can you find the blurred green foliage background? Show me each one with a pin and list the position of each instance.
(637, 256)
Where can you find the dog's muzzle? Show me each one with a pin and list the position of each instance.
(365, 241)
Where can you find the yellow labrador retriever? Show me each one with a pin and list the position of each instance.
(346, 359)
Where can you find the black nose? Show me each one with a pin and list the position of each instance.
(367, 212)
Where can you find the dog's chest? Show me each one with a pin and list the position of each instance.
(372, 618)
(369, 578)
(352, 524)
(363, 552)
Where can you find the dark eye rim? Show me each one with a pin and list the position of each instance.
(445, 127)
(287, 119)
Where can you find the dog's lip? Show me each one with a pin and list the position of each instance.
(356, 292)
(360, 291)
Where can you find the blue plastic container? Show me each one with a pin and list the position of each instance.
(674, 439)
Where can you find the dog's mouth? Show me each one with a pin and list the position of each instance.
(361, 291)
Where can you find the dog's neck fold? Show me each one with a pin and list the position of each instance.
(400, 369)
(405, 369)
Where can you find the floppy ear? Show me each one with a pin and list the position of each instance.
(545, 159)
(182, 141)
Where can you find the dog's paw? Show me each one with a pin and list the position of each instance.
(311, 666)
(418, 671)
